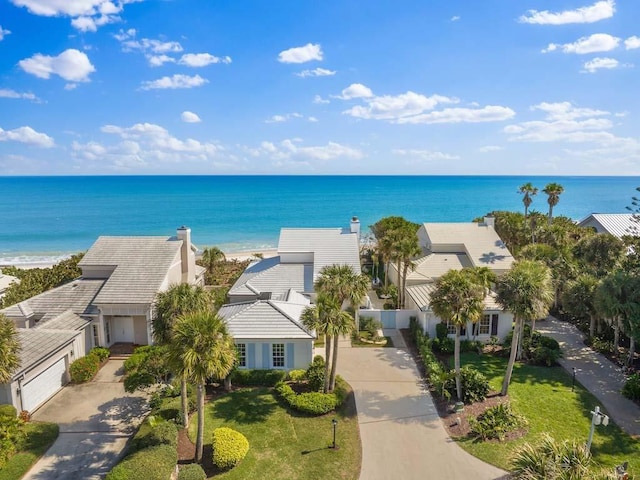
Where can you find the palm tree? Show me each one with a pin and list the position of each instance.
(609, 302)
(340, 323)
(527, 292)
(203, 349)
(168, 307)
(316, 317)
(578, 299)
(9, 349)
(408, 249)
(211, 256)
(528, 190)
(458, 298)
(553, 191)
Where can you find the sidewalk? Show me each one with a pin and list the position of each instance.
(595, 372)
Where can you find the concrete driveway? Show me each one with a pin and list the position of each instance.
(96, 419)
(402, 434)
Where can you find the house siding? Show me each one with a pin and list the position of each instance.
(298, 353)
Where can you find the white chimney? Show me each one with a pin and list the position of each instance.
(490, 221)
(187, 255)
(355, 226)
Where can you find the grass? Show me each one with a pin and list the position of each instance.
(543, 395)
(355, 341)
(283, 444)
(40, 436)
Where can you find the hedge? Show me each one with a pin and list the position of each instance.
(164, 433)
(312, 403)
(84, 369)
(101, 353)
(153, 463)
(193, 471)
(7, 410)
(229, 447)
(258, 378)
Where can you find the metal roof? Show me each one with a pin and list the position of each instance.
(421, 295)
(618, 224)
(141, 265)
(265, 319)
(38, 343)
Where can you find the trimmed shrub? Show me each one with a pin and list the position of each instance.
(442, 331)
(475, 385)
(536, 348)
(312, 403)
(297, 375)
(315, 374)
(193, 471)
(255, 378)
(153, 463)
(229, 447)
(11, 436)
(164, 433)
(496, 422)
(342, 390)
(100, 352)
(631, 387)
(7, 410)
(84, 369)
(168, 409)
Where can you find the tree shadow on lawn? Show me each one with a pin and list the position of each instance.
(245, 406)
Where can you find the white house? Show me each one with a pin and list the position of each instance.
(617, 224)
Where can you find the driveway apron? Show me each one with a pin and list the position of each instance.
(402, 435)
(96, 419)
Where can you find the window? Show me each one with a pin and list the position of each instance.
(277, 355)
(451, 328)
(96, 339)
(241, 348)
(485, 325)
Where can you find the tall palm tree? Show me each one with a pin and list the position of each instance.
(458, 298)
(408, 249)
(211, 256)
(610, 303)
(203, 349)
(527, 292)
(317, 317)
(340, 323)
(528, 190)
(553, 191)
(168, 307)
(578, 299)
(9, 349)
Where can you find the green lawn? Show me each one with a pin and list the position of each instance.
(284, 445)
(40, 436)
(543, 395)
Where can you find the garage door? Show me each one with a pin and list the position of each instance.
(42, 387)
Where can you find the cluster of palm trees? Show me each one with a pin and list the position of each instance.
(553, 191)
(335, 287)
(198, 345)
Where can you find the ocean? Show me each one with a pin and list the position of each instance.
(47, 218)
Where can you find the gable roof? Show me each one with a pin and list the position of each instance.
(434, 265)
(65, 321)
(265, 319)
(39, 343)
(269, 275)
(618, 224)
(76, 296)
(480, 241)
(141, 265)
(421, 296)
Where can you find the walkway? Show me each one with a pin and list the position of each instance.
(595, 372)
(96, 419)
(402, 434)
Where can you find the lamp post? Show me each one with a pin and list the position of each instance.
(597, 418)
(334, 422)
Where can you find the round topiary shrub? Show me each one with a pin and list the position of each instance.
(229, 447)
(193, 471)
(84, 369)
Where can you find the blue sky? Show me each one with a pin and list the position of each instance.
(336, 87)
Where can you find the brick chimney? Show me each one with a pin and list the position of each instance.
(187, 255)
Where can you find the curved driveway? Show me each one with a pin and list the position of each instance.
(402, 434)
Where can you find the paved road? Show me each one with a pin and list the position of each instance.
(595, 372)
(402, 435)
(96, 419)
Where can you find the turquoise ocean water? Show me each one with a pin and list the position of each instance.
(44, 218)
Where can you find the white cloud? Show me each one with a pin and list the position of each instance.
(490, 148)
(316, 72)
(72, 65)
(148, 46)
(427, 155)
(598, 42)
(190, 117)
(356, 90)
(397, 107)
(201, 59)
(566, 111)
(312, 119)
(86, 15)
(290, 150)
(8, 93)
(319, 100)
(455, 18)
(489, 113)
(27, 135)
(175, 81)
(311, 51)
(159, 60)
(632, 43)
(594, 13)
(282, 118)
(3, 33)
(598, 63)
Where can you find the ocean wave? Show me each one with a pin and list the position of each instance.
(28, 259)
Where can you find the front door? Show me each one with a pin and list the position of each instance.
(122, 331)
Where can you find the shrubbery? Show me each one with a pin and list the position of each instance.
(496, 422)
(475, 385)
(193, 471)
(631, 387)
(101, 352)
(153, 463)
(297, 375)
(315, 374)
(84, 369)
(164, 433)
(312, 403)
(11, 435)
(536, 348)
(229, 447)
(7, 410)
(255, 378)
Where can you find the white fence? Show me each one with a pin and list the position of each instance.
(390, 318)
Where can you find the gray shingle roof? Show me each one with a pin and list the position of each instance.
(65, 321)
(76, 296)
(141, 265)
(269, 275)
(265, 319)
(618, 224)
(434, 265)
(37, 344)
(421, 295)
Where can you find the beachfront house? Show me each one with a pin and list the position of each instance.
(454, 246)
(110, 303)
(617, 224)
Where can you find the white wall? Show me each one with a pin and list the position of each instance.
(304, 257)
(303, 352)
(402, 316)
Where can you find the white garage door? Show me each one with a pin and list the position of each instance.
(42, 387)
